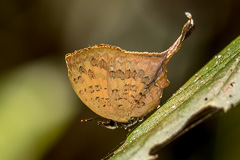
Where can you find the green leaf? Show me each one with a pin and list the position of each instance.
(216, 87)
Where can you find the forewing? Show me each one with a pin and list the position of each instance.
(87, 70)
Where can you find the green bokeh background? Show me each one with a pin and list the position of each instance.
(40, 113)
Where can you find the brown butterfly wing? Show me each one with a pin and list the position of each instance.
(87, 70)
(114, 83)
(143, 92)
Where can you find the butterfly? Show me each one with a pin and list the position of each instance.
(120, 85)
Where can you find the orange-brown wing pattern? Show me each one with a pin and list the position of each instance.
(111, 81)
(87, 71)
(129, 75)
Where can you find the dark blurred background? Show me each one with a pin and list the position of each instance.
(40, 113)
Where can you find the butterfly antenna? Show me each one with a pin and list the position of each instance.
(91, 119)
